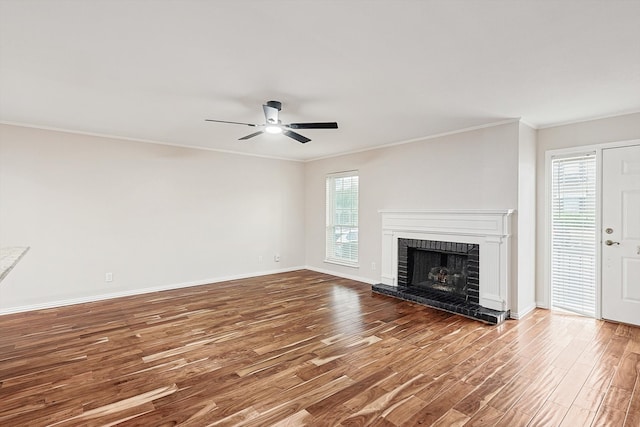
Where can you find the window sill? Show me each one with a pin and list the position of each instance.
(343, 263)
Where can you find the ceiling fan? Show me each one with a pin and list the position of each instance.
(274, 125)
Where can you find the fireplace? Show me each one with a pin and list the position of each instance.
(453, 260)
(449, 270)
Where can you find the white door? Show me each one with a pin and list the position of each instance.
(621, 234)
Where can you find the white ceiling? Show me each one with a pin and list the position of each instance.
(387, 71)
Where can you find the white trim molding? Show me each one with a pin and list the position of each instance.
(342, 275)
(491, 229)
(520, 314)
(101, 297)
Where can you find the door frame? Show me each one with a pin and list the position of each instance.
(565, 152)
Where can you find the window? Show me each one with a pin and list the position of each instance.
(573, 233)
(342, 218)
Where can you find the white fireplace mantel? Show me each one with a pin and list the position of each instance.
(491, 229)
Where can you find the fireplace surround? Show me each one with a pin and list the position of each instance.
(440, 242)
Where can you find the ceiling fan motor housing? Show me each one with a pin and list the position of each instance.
(275, 104)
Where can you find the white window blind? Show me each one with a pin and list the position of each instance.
(342, 218)
(573, 234)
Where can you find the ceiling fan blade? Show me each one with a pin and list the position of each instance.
(270, 114)
(321, 125)
(251, 136)
(233, 123)
(296, 136)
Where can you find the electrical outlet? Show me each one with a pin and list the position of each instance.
(260, 259)
(108, 277)
(373, 266)
(276, 257)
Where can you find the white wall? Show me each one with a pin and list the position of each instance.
(156, 216)
(468, 170)
(526, 274)
(608, 130)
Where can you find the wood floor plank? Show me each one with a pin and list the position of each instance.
(325, 406)
(627, 373)
(480, 396)
(577, 416)
(403, 412)
(537, 394)
(617, 398)
(510, 394)
(551, 414)
(514, 418)
(633, 413)
(439, 406)
(487, 416)
(569, 387)
(608, 417)
(451, 418)
(307, 348)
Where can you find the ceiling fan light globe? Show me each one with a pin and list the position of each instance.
(273, 129)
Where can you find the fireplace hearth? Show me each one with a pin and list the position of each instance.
(441, 301)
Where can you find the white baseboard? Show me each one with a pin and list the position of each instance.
(93, 298)
(344, 276)
(541, 304)
(522, 313)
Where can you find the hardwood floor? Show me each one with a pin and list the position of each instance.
(305, 348)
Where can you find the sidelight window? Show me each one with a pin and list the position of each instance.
(573, 233)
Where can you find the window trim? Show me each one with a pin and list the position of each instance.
(329, 205)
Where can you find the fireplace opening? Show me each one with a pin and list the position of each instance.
(448, 271)
(442, 271)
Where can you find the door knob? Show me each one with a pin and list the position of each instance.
(611, 242)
